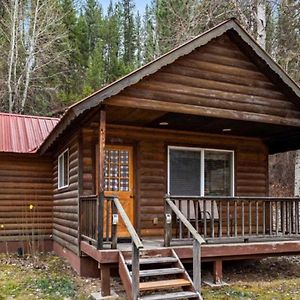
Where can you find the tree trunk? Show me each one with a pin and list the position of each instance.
(297, 174)
(11, 58)
(30, 57)
(261, 23)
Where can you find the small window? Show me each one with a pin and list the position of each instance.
(63, 169)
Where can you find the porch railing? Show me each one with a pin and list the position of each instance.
(88, 219)
(100, 221)
(171, 208)
(220, 218)
(96, 224)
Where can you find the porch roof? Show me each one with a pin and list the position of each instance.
(278, 75)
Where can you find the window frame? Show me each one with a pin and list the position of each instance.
(59, 175)
(202, 169)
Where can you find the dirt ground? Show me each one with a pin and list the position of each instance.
(50, 277)
(266, 279)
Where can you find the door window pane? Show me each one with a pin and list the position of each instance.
(185, 172)
(218, 177)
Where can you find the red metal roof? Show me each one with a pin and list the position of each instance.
(24, 134)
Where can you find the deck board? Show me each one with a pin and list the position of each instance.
(226, 251)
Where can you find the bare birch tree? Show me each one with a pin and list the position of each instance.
(33, 37)
(261, 23)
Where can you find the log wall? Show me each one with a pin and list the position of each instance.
(216, 80)
(251, 166)
(65, 200)
(26, 193)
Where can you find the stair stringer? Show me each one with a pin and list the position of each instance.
(125, 275)
(186, 275)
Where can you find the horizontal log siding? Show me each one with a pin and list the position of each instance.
(25, 197)
(251, 166)
(65, 207)
(152, 185)
(88, 161)
(218, 77)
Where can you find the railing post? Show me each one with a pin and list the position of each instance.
(135, 271)
(114, 225)
(100, 221)
(197, 266)
(168, 223)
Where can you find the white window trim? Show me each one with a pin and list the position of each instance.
(58, 168)
(201, 151)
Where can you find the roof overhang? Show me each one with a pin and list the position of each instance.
(103, 95)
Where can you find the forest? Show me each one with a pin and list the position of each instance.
(56, 52)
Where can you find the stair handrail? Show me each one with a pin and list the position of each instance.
(136, 246)
(197, 239)
(184, 220)
(132, 232)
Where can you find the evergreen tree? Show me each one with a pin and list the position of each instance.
(288, 37)
(138, 44)
(149, 33)
(95, 75)
(70, 19)
(114, 67)
(93, 19)
(129, 34)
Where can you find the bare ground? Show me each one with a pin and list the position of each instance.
(50, 277)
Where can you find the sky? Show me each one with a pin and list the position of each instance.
(139, 4)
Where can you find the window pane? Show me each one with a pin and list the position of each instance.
(114, 156)
(66, 168)
(124, 171)
(185, 172)
(63, 169)
(114, 184)
(60, 171)
(218, 173)
(124, 184)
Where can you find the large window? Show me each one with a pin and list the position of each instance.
(63, 169)
(200, 172)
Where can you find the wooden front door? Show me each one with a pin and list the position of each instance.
(118, 174)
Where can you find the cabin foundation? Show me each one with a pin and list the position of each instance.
(83, 265)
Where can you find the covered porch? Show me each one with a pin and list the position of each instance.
(242, 223)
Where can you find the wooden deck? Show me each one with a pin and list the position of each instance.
(210, 252)
(239, 228)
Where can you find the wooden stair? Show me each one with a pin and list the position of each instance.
(162, 276)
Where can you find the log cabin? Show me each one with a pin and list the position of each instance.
(167, 165)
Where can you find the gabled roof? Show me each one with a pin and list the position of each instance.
(116, 87)
(24, 134)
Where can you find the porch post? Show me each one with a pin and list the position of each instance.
(218, 271)
(100, 202)
(105, 279)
